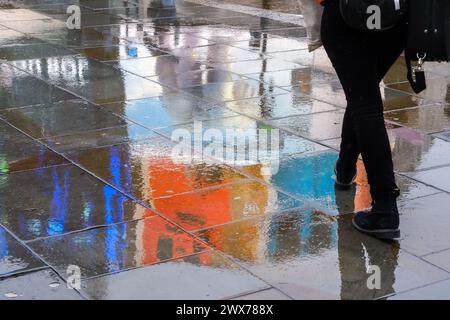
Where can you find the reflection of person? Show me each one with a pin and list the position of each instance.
(356, 254)
(361, 59)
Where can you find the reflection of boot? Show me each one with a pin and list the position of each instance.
(345, 200)
(344, 178)
(382, 220)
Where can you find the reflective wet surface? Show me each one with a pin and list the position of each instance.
(15, 257)
(290, 249)
(38, 285)
(114, 157)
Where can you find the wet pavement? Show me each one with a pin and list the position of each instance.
(89, 176)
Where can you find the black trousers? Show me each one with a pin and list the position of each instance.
(361, 60)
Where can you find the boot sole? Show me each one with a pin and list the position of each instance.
(385, 234)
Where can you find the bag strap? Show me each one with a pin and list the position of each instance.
(419, 83)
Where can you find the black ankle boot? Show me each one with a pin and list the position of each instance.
(382, 220)
(344, 178)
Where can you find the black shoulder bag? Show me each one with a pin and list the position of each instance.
(373, 15)
(428, 37)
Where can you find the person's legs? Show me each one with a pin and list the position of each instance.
(356, 57)
(388, 50)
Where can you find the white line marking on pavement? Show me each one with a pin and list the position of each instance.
(263, 13)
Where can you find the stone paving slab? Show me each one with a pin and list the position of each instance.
(309, 255)
(11, 93)
(117, 247)
(421, 234)
(39, 285)
(19, 152)
(437, 291)
(269, 294)
(94, 75)
(203, 276)
(14, 257)
(58, 200)
(437, 177)
(61, 118)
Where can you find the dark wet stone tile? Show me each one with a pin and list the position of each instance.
(268, 294)
(219, 53)
(14, 15)
(32, 51)
(117, 247)
(436, 291)
(318, 126)
(272, 44)
(256, 66)
(14, 257)
(93, 80)
(397, 100)
(437, 177)
(424, 224)
(165, 67)
(153, 168)
(101, 4)
(46, 7)
(84, 38)
(209, 12)
(414, 151)
(302, 57)
(15, 82)
(170, 42)
(236, 90)
(120, 52)
(242, 142)
(291, 32)
(304, 77)
(203, 276)
(99, 138)
(437, 88)
(440, 259)
(397, 72)
(444, 135)
(19, 152)
(39, 285)
(61, 118)
(291, 249)
(220, 33)
(58, 200)
(254, 23)
(168, 110)
(178, 21)
(278, 106)
(426, 119)
(10, 37)
(331, 92)
(216, 206)
(287, 6)
(90, 19)
(141, 12)
(195, 78)
(41, 25)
